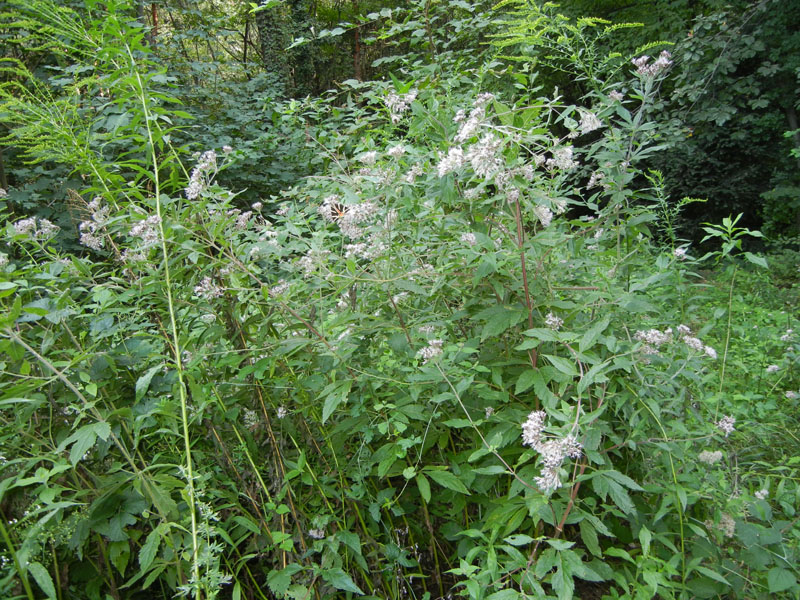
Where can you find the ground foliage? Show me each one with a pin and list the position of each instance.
(454, 345)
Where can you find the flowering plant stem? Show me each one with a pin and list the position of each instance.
(176, 344)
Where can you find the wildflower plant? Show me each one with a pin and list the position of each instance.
(441, 370)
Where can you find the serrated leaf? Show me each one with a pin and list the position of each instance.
(779, 580)
(589, 537)
(143, 383)
(83, 440)
(506, 594)
(448, 480)
(149, 549)
(590, 337)
(424, 487)
(335, 397)
(644, 538)
(341, 581)
(525, 381)
(564, 365)
(43, 579)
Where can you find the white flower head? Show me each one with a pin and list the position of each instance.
(726, 424)
(469, 238)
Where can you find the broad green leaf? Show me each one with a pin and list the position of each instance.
(335, 397)
(149, 549)
(448, 480)
(43, 579)
(83, 440)
(779, 580)
(564, 365)
(525, 381)
(143, 383)
(341, 581)
(590, 337)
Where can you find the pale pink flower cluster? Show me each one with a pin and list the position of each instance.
(91, 230)
(432, 350)
(483, 156)
(312, 260)
(616, 96)
(552, 453)
(726, 425)
(452, 161)
(695, 343)
(469, 238)
(589, 122)
(679, 253)
(553, 322)
(205, 169)
(207, 289)
(368, 250)
(647, 69)
(773, 369)
(762, 494)
(279, 289)
(544, 214)
(710, 457)
(562, 159)
(45, 229)
(398, 104)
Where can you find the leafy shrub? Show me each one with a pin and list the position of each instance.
(452, 362)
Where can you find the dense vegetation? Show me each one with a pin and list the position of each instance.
(429, 299)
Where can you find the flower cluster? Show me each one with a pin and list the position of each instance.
(205, 169)
(279, 289)
(589, 122)
(207, 289)
(544, 214)
(44, 230)
(553, 322)
(91, 230)
(562, 159)
(663, 62)
(552, 452)
(710, 457)
(469, 238)
(726, 424)
(432, 350)
(398, 104)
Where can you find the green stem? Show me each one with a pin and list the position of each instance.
(22, 575)
(173, 323)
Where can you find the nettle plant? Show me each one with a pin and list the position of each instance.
(442, 367)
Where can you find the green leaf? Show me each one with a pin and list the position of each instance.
(589, 537)
(499, 319)
(83, 440)
(424, 487)
(335, 397)
(149, 549)
(756, 260)
(779, 580)
(525, 381)
(507, 594)
(562, 364)
(341, 581)
(644, 538)
(590, 337)
(448, 480)
(43, 579)
(143, 383)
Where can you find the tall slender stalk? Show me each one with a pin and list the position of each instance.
(176, 344)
